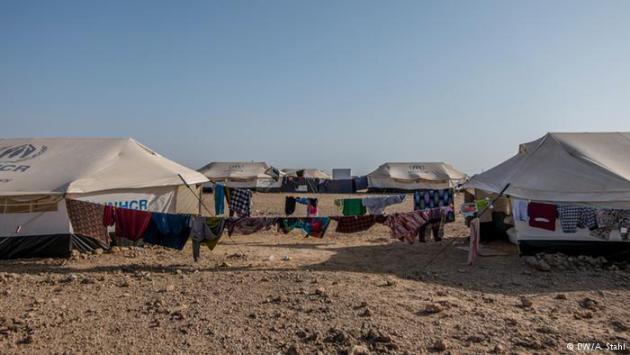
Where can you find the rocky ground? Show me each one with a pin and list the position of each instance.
(274, 294)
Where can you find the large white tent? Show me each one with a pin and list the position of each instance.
(247, 175)
(414, 176)
(590, 169)
(37, 174)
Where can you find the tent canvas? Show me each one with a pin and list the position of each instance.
(591, 169)
(36, 174)
(411, 176)
(246, 175)
(307, 173)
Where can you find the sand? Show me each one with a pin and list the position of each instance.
(359, 293)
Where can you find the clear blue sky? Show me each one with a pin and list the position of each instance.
(316, 83)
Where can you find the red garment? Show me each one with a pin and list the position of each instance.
(131, 224)
(542, 215)
(108, 215)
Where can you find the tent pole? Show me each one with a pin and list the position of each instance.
(194, 194)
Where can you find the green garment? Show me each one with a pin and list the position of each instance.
(353, 207)
(481, 204)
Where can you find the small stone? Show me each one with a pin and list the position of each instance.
(26, 340)
(98, 251)
(475, 339)
(70, 278)
(561, 296)
(588, 303)
(320, 291)
(432, 309)
(525, 302)
(619, 326)
(169, 288)
(359, 350)
(293, 350)
(440, 345)
(390, 283)
(498, 349)
(366, 313)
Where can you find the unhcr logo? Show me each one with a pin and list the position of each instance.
(18, 153)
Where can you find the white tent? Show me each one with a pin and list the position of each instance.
(36, 174)
(414, 176)
(307, 173)
(249, 175)
(591, 169)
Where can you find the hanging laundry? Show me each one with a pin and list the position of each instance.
(289, 205)
(377, 204)
(351, 206)
(108, 215)
(240, 202)
(249, 225)
(473, 248)
(311, 207)
(424, 199)
(168, 230)
(205, 230)
(354, 224)
(542, 215)
(602, 232)
(571, 216)
(607, 221)
(607, 217)
(624, 224)
(130, 224)
(520, 210)
(216, 225)
(436, 218)
(482, 205)
(468, 210)
(219, 198)
(312, 226)
(588, 219)
(406, 226)
(86, 219)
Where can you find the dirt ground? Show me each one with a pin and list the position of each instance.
(270, 293)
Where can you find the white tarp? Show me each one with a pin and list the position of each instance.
(116, 171)
(241, 174)
(84, 165)
(415, 175)
(36, 223)
(585, 168)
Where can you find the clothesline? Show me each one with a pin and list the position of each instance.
(173, 230)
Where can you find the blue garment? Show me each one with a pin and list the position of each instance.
(168, 230)
(425, 199)
(302, 200)
(219, 198)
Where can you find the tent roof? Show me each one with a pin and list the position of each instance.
(565, 167)
(236, 171)
(81, 165)
(309, 173)
(418, 172)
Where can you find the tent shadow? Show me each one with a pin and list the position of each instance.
(444, 264)
(440, 264)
